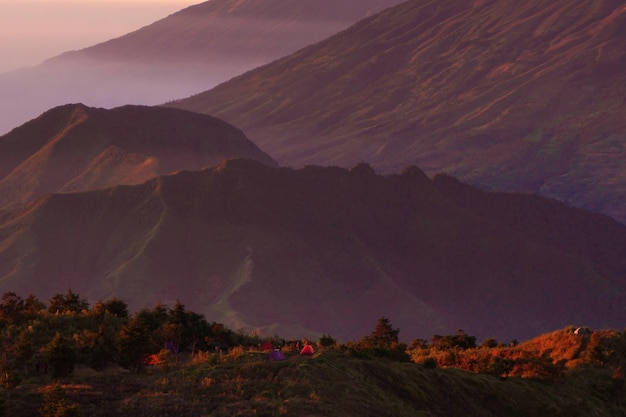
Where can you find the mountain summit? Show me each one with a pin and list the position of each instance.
(525, 96)
(77, 148)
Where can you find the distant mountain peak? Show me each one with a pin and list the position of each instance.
(75, 147)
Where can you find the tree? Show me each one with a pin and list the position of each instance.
(33, 306)
(142, 335)
(460, 340)
(327, 341)
(60, 355)
(68, 303)
(383, 342)
(11, 307)
(384, 334)
(24, 348)
(97, 348)
(113, 306)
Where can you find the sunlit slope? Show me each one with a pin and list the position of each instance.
(325, 250)
(182, 54)
(76, 148)
(517, 96)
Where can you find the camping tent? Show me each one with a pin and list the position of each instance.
(276, 355)
(307, 350)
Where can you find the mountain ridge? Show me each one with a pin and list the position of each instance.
(322, 249)
(75, 147)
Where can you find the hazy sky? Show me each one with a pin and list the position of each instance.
(34, 30)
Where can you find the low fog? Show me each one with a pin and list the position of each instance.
(184, 54)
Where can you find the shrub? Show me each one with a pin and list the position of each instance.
(61, 356)
(429, 363)
(327, 341)
(55, 404)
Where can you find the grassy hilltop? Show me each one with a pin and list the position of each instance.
(328, 384)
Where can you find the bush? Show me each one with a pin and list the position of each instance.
(430, 363)
(55, 404)
(327, 341)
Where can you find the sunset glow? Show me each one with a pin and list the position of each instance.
(35, 30)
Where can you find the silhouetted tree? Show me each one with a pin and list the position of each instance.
(384, 334)
(327, 341)
(460, 340)
(68, 303)
(113, 306)
(383, 342)
(11, 307)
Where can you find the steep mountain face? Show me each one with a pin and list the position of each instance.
(301, 252)
(75, 147)
(182, 54)
(523, 96)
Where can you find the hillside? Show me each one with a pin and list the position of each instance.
(182, 54)
(511, 96)
(326, 385)
(77, 148)
(300, 252)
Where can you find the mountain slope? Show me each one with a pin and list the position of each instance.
(182, 54)
(516, 96)
(300, 252)
(74, 147)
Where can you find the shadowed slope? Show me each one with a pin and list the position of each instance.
(519, 96)
(74, 147)
(184, 53)
(325, 250)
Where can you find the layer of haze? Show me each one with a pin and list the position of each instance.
(34, 30)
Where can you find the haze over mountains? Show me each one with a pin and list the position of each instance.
(301, 252)
(77, 148)
(185, 53)
(523, 96)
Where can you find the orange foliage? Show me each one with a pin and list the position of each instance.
(545, 357)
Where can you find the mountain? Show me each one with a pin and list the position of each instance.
(182, 54)
(75, 147)
(301, 252)
(523, 96)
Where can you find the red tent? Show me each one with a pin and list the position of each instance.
(307, 350)
(267, 346)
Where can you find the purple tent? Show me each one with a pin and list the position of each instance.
(276, 355)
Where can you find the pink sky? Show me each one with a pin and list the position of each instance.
(34, 30)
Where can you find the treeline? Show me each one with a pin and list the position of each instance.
(38, 338)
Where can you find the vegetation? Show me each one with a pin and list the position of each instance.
(73, 360)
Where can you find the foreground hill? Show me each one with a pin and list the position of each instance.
(297, 252)
(330, 384)
(182, 54)
(75, 148)
(517, 96)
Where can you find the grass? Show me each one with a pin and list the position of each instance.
(329, 383)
